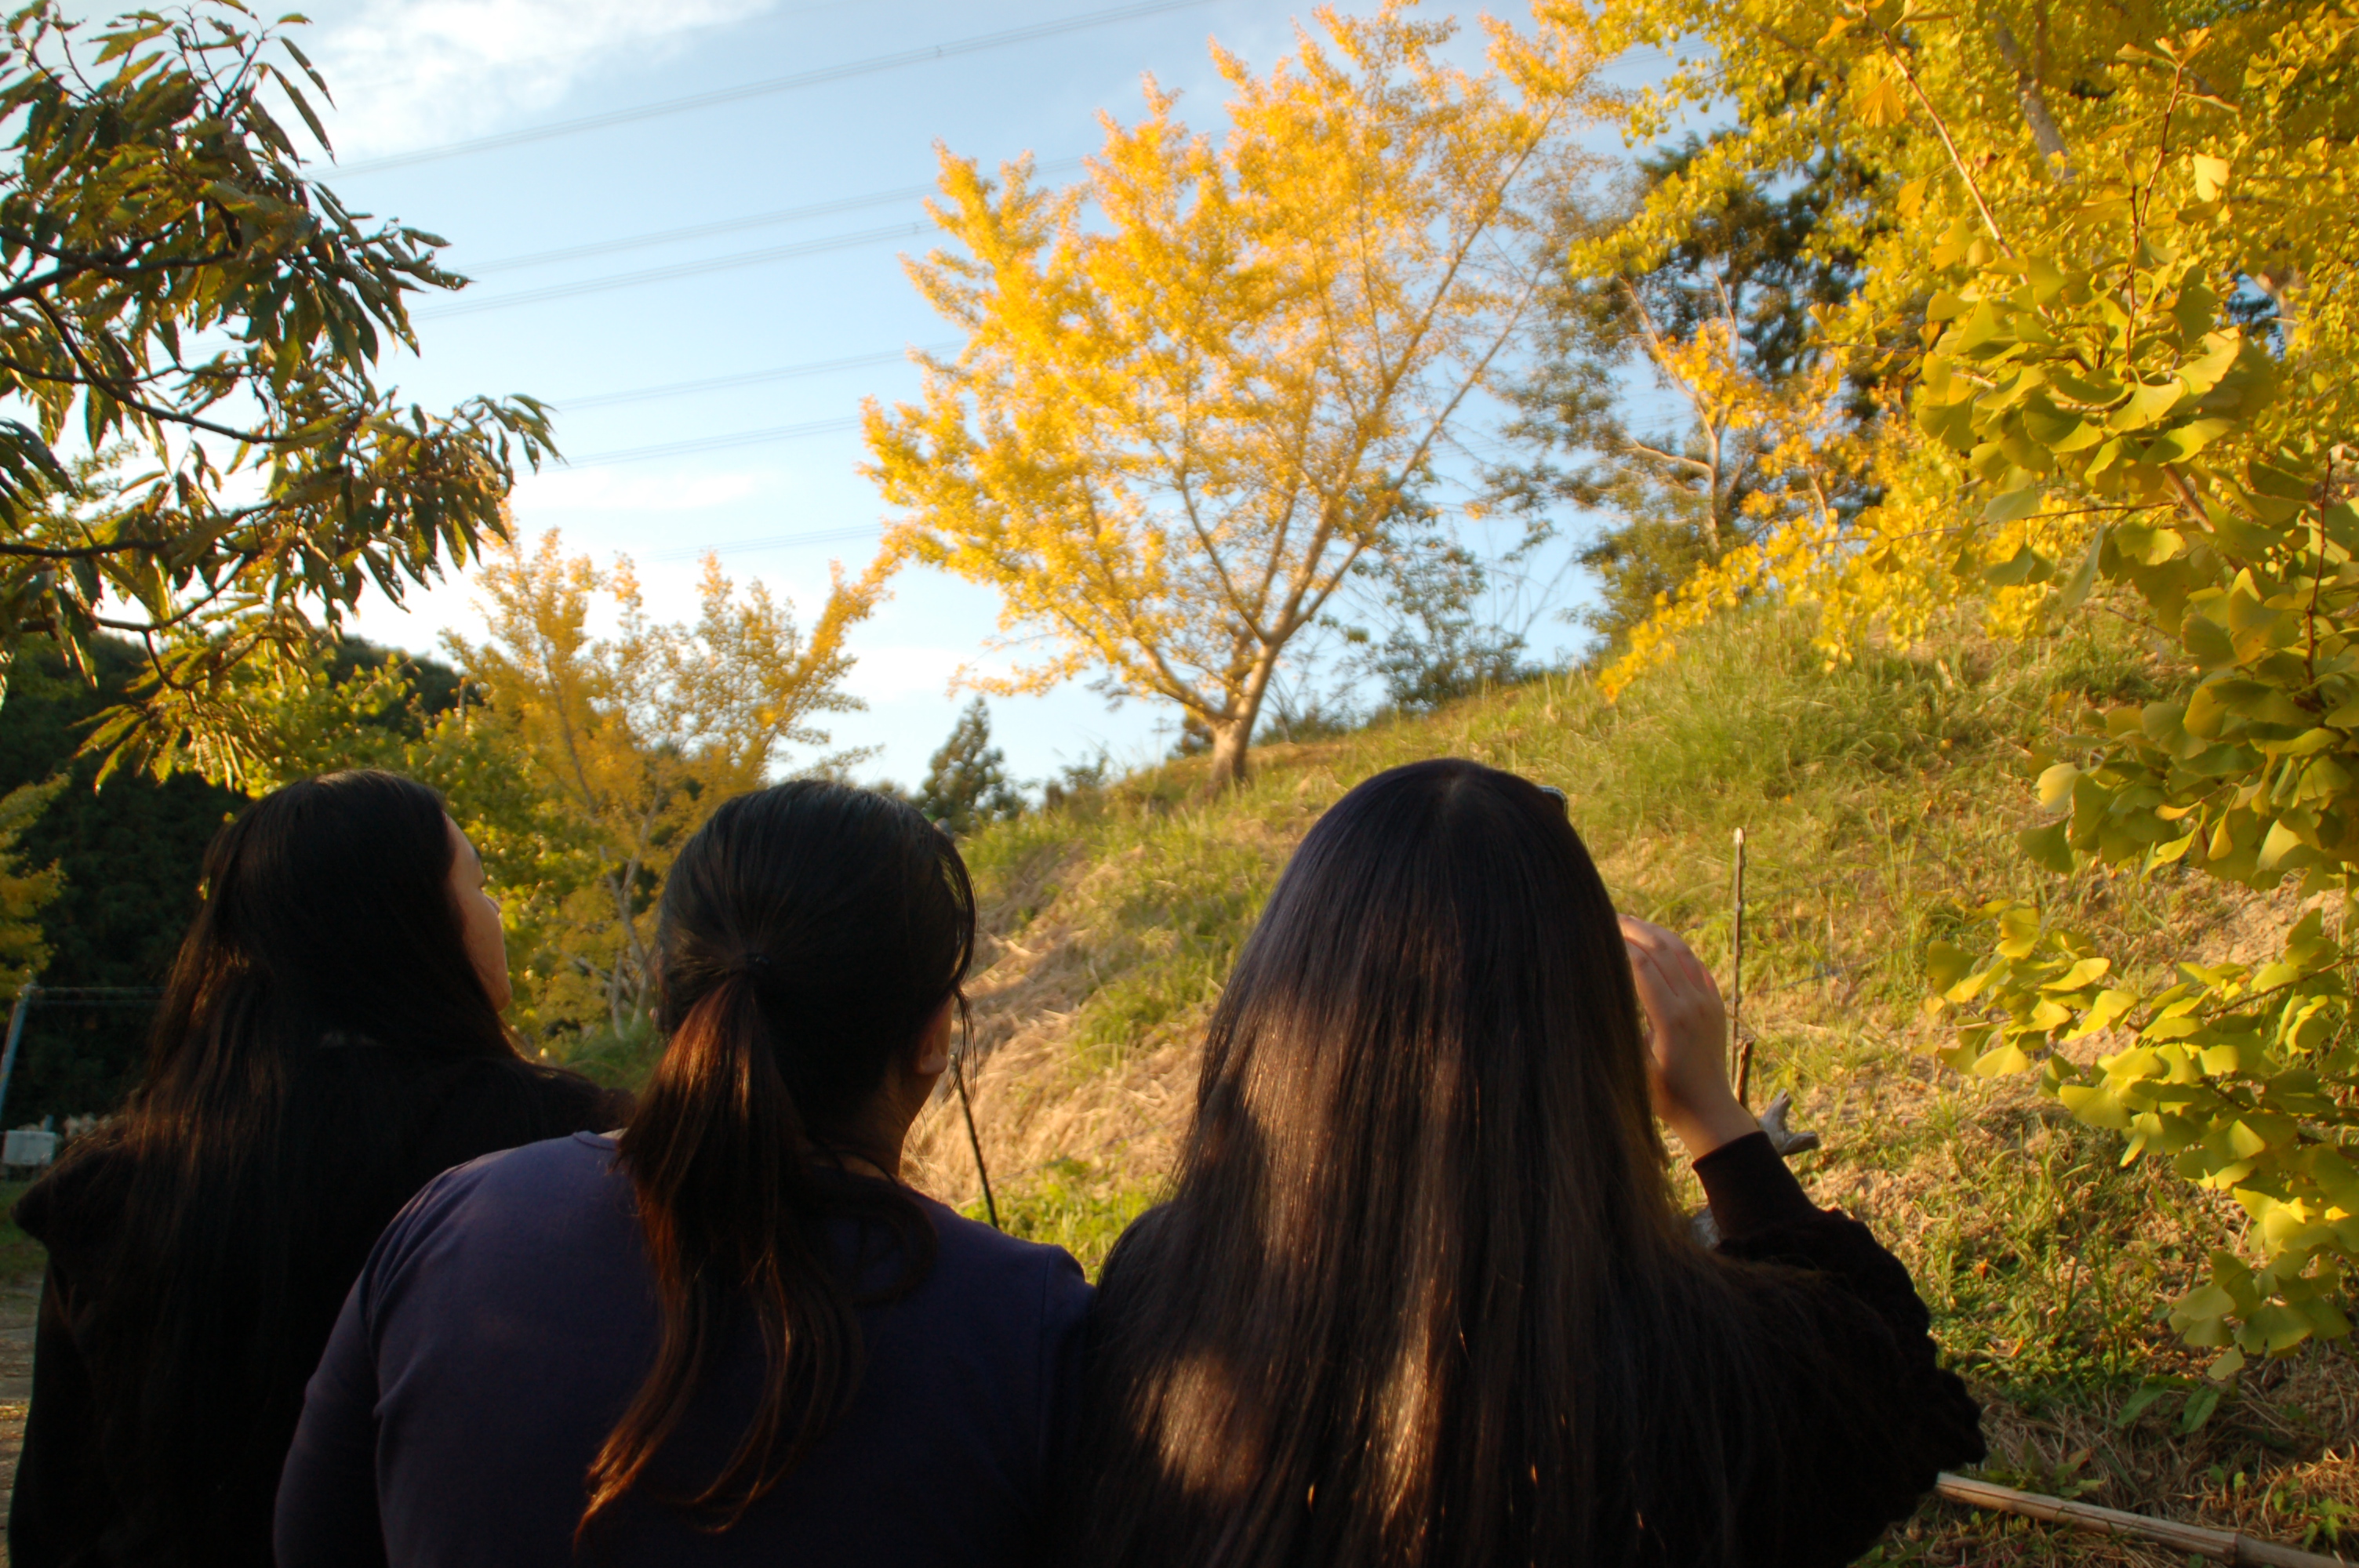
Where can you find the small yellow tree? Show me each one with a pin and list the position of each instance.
(634, 738)
(24, 894)
(1201, 387)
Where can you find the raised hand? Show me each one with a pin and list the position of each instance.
(1687, 1059)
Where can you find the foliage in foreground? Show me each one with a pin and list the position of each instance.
(2107, 298)
(195, 327)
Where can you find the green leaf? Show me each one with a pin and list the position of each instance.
(2178, 446)
(2136, 1405)
(2281, 841)
(2003, 1061)
(2080, 975)
(2104, 1013)
(2049, 847)
(2012, 506)
(2026, 566)
(2069, 597)
(2146, 405)
(2095, 1106)
(1946, 965)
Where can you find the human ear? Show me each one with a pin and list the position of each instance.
(932, 1057)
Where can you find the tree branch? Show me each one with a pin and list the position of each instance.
(2034, 100)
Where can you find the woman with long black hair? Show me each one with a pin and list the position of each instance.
(730, 1334)
(328, 1040)
(1421, 1297)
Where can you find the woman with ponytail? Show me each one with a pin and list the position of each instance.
(729, 1334)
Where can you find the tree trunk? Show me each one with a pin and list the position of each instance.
(2034, 99)
(1229, 742)
(1232, 735)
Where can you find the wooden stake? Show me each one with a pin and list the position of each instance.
(1740, 1050)
(973, 1139)
(2220, 1545)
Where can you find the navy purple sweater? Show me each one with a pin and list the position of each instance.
(508, 1316)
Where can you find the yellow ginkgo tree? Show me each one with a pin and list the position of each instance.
(1201, 388)
(626, 743)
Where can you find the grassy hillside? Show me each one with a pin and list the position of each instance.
(1876, 799)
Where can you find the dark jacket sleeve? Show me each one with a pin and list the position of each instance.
(327, 1510)
(61, 1504)
(1869, 1415)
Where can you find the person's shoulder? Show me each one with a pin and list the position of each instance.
(82, 1191)
(1134, 1255)
(553, 1100)
(550, 1175)
(571, 1163)
(969, 1253)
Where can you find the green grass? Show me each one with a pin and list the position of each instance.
(22, 1259)
(1070, 1205)
(617, 1059)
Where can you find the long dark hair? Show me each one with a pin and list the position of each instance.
(809, 932)
(1422, 1296)
(319, 1006)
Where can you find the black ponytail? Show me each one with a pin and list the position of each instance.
(809, 931)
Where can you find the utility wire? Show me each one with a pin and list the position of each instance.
(870, 66)
(730, 225)
(677, 270)
(773, 542)
(746, 378)
(715, 443)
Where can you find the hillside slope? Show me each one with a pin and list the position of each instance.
(1876, 798)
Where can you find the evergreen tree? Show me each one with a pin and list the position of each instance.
(1438, 646)
(967, 784)
(1673, 489)
(129, 856)
(117, 865)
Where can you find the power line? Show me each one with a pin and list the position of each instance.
(774, 84)
(773, 542)
(747, 378)
(677, 269)
(715, 443)
(730, 225)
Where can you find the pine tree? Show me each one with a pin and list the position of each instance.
(1673, 491)
(966, 783)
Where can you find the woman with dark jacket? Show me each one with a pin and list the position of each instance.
(1421, 1297)
(729, 1334)
(330, 1040)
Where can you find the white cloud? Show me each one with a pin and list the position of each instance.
(411, 73)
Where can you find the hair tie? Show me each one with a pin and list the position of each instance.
(752, 963)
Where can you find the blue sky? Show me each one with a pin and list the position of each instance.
(412, 75)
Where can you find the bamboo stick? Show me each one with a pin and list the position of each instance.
(2221, 1545)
